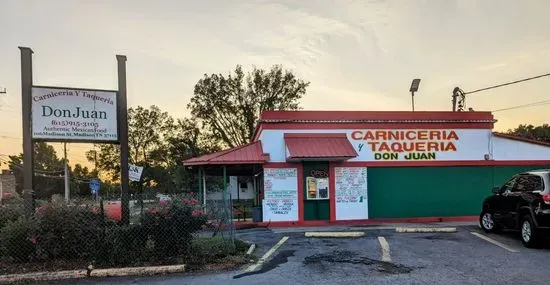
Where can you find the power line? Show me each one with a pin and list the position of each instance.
(508, 83)
(534, 104)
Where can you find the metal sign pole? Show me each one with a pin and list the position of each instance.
(26, 94)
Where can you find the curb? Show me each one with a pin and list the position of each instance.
(79, 274)
(251, 249)
(425, 230)
(334, 234)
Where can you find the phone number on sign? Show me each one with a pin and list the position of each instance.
(75, 124)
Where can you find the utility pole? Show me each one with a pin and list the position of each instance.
(1, 188)
(67, 184)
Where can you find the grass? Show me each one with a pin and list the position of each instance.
(218, 252)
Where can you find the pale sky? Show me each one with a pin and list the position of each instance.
(358, 55)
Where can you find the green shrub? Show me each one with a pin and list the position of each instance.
(68, 232)
(212, 249)
(17, 239)
(10, 213)
(241, 246)
(123, 246)
(170, 228)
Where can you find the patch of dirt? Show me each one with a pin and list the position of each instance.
(346, 256)
(58, 265)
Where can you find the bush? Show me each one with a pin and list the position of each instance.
(211, 249)
(124, 245)
(17, 239)
(10, 213)
(68, 231)
(170, 228)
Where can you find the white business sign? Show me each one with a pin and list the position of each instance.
(351, 193)
(134, 172)
(419, 144)
(74, 114)
(280, 195)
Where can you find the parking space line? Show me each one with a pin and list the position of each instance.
(266, 255)
(486, 238)
(334, 234)
(385, 246)
(425, 230)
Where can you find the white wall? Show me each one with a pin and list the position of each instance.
(472, 144)
(234, 187)
(508, 149)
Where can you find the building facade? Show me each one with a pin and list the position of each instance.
(356, 166)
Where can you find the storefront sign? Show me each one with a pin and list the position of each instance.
(280, 194)
(74, 114)
(351, 193)
(405, 144)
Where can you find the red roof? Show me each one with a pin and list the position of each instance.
(327, 146)
(522, 139)
(343, 116)
(247, 154)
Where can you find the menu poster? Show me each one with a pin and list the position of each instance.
(280, 201)
(351, 193)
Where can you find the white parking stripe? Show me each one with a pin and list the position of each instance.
(486, 238)
(385, 246)
(266, 255)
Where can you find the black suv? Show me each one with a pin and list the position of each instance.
(523, 203)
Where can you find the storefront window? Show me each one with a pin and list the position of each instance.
(317, 188)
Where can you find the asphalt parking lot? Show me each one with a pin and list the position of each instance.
(381, 256)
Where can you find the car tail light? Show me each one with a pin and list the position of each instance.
(546, 198)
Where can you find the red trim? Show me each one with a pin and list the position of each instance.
(443, 163)
(232, 162)
(366, 222)
(315, 135)
(300, 178)
(332, 191)
(251, 153)
(301, 192)
(318, 145)
(374, 115)
(355, 126)
(279, 165)
(521, 139)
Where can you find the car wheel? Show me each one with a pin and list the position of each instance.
(529, 233)
(487, 222)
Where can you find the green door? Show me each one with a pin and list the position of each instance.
(316, 209)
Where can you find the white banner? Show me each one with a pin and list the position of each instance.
(134, 172)
(280, 195)
(419, 144)
(351, 193)
(74, 114)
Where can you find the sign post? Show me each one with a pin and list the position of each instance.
(95, 185)
(123, 132)
(26, 94)
(63, 114)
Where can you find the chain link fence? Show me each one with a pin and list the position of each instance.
(163, 229)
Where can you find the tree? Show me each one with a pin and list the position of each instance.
(147, 131)
(48, 168)
(159, 144)
(541, 133)
(80, 178)
(229, 106)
